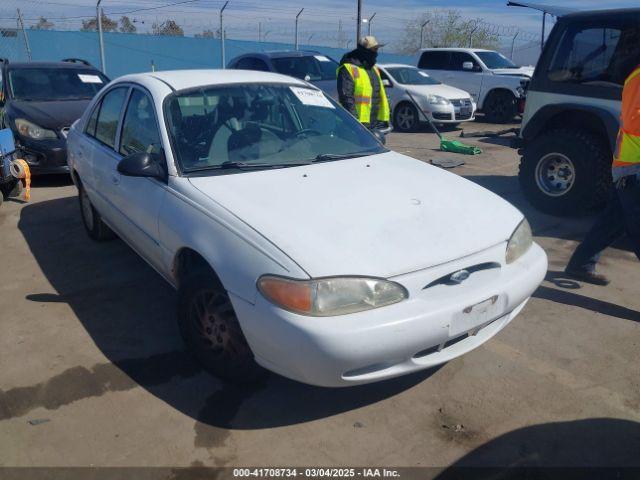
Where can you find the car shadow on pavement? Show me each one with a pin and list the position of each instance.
(129, 312)
(581, 445)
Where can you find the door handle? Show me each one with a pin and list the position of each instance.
(115, 179)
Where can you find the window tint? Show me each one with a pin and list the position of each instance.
(411, 76)
(93, 119)
(458, 58)
(316, 67)
(599, 55)
(252, 63)
(434, 60)
(139, 127)
(109, 115)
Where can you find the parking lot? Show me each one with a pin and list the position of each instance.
(93, 371)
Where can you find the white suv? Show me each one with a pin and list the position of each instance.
(494, 82)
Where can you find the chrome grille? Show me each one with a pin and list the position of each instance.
(461, 102)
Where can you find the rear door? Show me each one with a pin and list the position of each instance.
(101, 130)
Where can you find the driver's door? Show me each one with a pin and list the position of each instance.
(139, 199)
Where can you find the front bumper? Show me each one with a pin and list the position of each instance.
(425, 330)
(449, 113)
(45, 156)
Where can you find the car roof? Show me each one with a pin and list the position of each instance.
(455, 49)
(396, 65)
(280, 53)
(185, 79)
(614, 12)
(72, 65)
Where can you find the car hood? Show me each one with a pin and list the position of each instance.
(52, 115)
(519, 72)
(381, 215)
(446, 91)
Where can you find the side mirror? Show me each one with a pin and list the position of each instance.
(467, 66)
(386, 83)
(382, 138)
(143, 164)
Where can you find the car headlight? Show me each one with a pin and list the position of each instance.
(437, 100)
(519, 242)
(330, 296)
(31, 130)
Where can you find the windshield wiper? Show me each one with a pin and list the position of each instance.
(245, 166)
(327, 157)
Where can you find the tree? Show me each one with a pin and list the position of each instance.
(91, 25)
(447, 28)
(43, 24)
(208, 34)
(168, 27)
(126, 25)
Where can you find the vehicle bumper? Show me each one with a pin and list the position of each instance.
(448, 114)
(44, 157)
(423, 331)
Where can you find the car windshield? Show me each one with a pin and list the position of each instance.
(45, 84)
(411, 76)
(316, 67)
(495, 60)
(254, 126)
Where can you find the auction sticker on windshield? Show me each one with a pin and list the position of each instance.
(89, 78)
(311, 97)
(321, 58)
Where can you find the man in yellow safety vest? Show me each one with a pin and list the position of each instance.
(622, 214)
(360, 88)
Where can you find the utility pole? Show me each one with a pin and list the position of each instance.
(103, 66)
(24, 35)
(473, 30)
(369, 22)
(259, 31)
(297, 17)
(513, 43)
(544, 21)
(359, 21)
(222, 60)
(424, 24)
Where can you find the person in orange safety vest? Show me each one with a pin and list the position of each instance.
(622, 214)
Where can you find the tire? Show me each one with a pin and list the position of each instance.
(405, 118)
(210, 329)
(16, 190)
(93, 224)
(583, 162)
(500, 106)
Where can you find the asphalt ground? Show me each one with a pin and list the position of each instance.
(93, 372)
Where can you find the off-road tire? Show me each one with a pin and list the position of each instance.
(500, 106)
(591, 158)
(91, 219)
(210, 329)
(398, 124)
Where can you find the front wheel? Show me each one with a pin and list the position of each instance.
(405, 118)
(566, 172)
(500, 107)
(211, 331)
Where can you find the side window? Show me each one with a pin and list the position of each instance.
(459, 58)
(437, 60)
(93, 120)
(139, 127)
(109, 115)
(598, 55)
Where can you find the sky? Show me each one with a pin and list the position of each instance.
(273, 20)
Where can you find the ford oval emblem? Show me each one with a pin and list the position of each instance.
(459, 276)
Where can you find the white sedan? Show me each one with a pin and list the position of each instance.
(443, 104)
(295, 239)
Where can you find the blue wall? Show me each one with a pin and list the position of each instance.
(130, 53)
